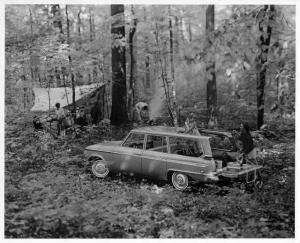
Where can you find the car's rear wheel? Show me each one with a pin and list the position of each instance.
(99, 169)
(180, 181)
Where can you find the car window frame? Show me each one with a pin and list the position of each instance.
(158, 135)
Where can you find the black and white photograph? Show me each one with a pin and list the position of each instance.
(149, 121)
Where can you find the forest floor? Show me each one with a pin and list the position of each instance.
(49, 194)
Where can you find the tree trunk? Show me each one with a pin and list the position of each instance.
(176, 39)
(57, 76)
(163, 74)
(173, 88)
(68, 25)
(31, 37)
(91, 25)
(119, 113)
(262, 59)
(64, 80)
(48, 91)
(79, 23)
(147, 58)
(106, 92)
(181, 27)
(70, 64)
(211, 87)
(132, 77)
(56, 17)
(190, 32)
(147, 73)
(73, 92)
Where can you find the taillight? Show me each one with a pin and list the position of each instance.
(219, 165)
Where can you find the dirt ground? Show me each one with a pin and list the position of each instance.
(50, 194)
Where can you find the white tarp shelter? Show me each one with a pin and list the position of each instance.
(58, 95)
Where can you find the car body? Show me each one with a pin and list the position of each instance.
(161, 153)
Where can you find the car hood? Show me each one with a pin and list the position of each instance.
(104, 144)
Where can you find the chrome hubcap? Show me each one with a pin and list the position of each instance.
(100, 168)
(180, 180)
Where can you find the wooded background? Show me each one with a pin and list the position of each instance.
(225, 63)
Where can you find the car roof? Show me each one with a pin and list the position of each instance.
(167, 131)
(215, 132)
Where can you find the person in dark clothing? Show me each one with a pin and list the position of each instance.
(246, 141)
(82, 119)
(37, 124)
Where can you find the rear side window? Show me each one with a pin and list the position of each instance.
(134, 140)
(185, 146)
(156, 143)
(220, 142)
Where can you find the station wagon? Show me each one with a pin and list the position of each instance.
(163, 153)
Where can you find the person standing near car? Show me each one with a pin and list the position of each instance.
(245, 141)
(191, 125)
(60, 116)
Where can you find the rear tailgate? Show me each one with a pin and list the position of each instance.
(235, 172)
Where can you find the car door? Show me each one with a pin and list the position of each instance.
(154, 157)
(130, 157)
(189, 155)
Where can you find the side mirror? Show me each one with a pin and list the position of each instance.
(208, 157)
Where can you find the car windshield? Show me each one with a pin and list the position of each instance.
(134, 140)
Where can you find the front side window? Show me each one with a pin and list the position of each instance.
(134, 140)
(185, 146)
(156, 143)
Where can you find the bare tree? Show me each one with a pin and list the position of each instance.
(70, 61)
(265, 37)
(211, 87)
(132, 76)
(119, 113)
(173, 88)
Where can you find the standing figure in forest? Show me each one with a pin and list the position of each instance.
(191, 125)
(213, 122)
(60, 116)
(245, 142)
(141, 113)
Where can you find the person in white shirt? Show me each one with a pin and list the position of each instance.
(60, 116)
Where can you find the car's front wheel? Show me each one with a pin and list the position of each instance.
(99, 169)
(180, 181)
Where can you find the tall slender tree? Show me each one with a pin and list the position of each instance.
(132, 76)
(264, 44)
(57, 17)
(119, 113)
(173, 88)
(31, 39)
(211, 87)
(70, 62)
(79, 22)
(91, 25)
(147, 83)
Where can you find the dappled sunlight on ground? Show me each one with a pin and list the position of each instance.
(52, 194)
